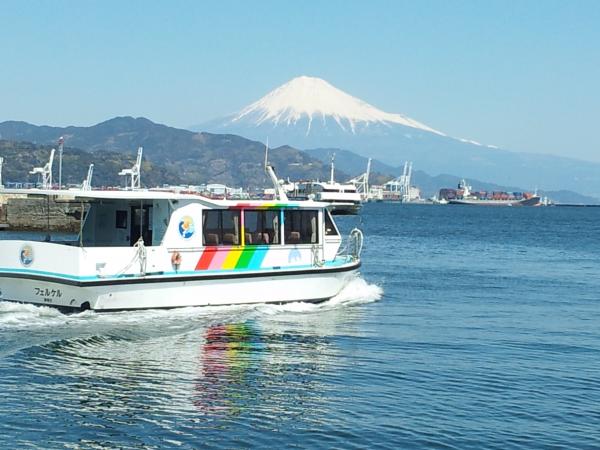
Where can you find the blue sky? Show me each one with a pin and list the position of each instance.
(523, 75)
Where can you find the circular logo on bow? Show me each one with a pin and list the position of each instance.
(186, 227)
(26, 255)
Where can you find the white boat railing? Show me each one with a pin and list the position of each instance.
(353, 245)
(316, 255)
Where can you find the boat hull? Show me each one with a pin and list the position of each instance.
(340, 209)
(314, 285)
(533, 201)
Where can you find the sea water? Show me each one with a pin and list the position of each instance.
(468, 328)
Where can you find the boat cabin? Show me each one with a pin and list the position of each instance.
(205, 234)
(123, 221)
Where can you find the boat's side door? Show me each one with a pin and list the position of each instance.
(141, 224)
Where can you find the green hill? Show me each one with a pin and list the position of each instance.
(171, 155)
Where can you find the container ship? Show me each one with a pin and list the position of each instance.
(463, 195)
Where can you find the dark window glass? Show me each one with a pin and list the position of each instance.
(221, 227)
(261, 227)
(121, 219)
(300, 227)
(231, 227)
(211, 227)
(330, 229)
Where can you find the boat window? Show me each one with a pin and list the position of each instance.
(330, 229)
(300, 227)
(121, 219)
(261, 227)
(221, 227)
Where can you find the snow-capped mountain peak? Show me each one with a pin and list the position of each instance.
(311, 99)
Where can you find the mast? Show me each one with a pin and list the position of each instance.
(1, 162)
(332, 179)
(279, 191)
(465, 187)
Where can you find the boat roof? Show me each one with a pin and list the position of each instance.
(156, 194)
(328, 185)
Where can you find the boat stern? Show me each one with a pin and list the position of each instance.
(41, 273)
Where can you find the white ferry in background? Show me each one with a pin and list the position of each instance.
(340, 198)
(465, 196)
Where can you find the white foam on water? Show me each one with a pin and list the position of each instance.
(295, 307)
(357, 291)
(19, 315)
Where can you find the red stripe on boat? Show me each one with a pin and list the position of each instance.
(205, 259)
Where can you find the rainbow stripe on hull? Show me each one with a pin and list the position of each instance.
(269, 205)
(215, 258)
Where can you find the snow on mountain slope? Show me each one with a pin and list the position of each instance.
(315, 99)
(308, 112)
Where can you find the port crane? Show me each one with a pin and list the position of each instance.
(61, 142)
(45, 173)
(401, 185)
(134, 172)
(87, 183)
(362, 182)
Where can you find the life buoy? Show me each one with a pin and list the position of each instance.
(176, 259)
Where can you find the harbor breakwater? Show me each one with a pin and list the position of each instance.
(38, 214)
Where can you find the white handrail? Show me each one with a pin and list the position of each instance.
(353, 245)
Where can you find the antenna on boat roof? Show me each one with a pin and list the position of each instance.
(267, 154)
(134, 172)
(279, 191)
(87, 183)
(45, 172)
(332, 178)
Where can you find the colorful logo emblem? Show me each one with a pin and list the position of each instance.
(186, 227)
(26, 255)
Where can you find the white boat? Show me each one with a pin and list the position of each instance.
(340, 198)
(142, 249)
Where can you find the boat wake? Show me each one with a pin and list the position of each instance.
(19, 314)
(357, 292)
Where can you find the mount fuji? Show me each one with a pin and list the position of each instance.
(309, 113)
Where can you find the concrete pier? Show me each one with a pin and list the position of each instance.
(38, 214)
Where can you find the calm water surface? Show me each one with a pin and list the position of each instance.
(469, 328)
